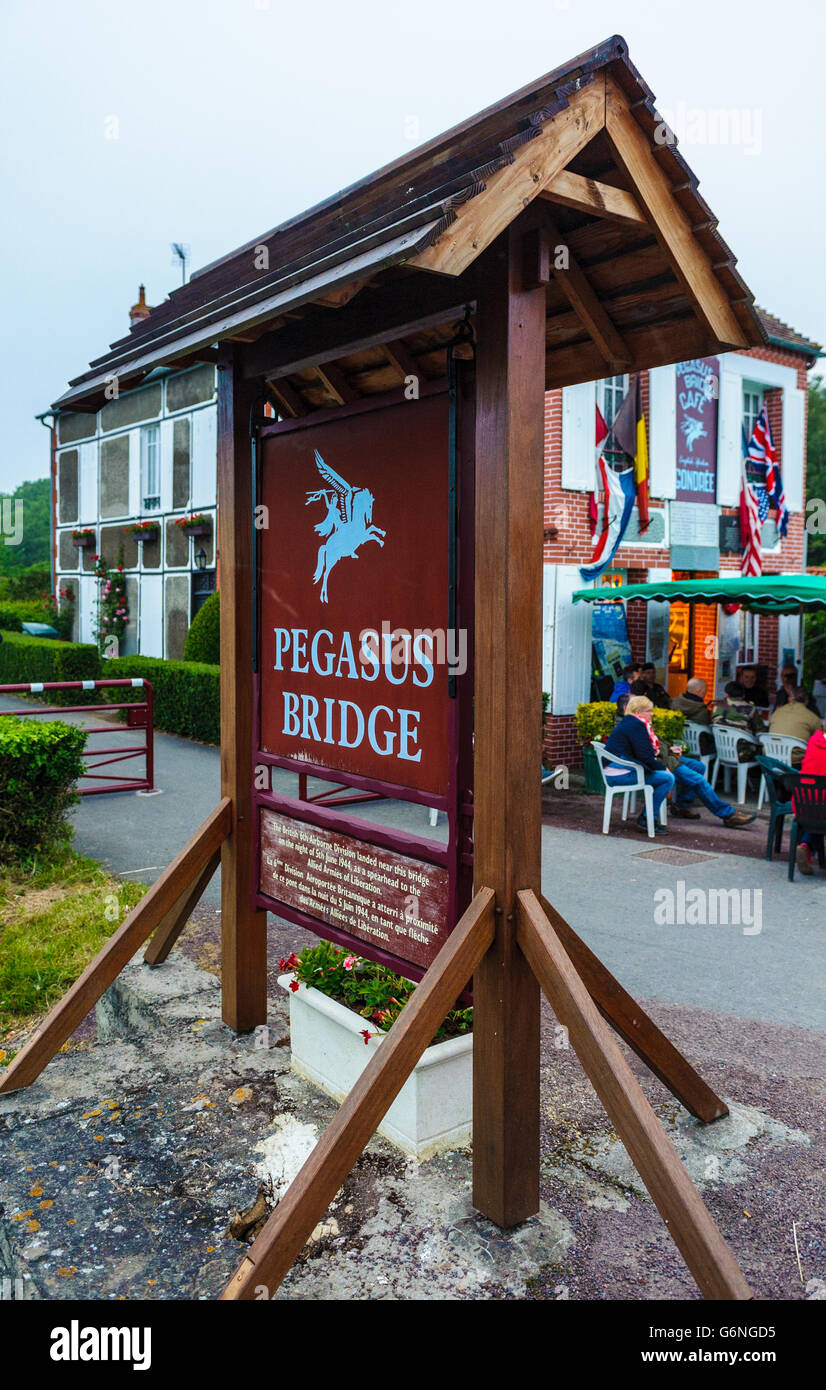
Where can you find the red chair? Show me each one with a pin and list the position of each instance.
(809, 809)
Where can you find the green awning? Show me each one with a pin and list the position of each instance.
(768, 593)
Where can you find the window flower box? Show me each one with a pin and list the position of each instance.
(83, 539)
(433, 1111)
(144, 530)
(197, 525)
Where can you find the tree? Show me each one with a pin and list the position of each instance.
(24, 519)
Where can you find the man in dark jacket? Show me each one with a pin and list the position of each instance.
(692, 704)
(656, 693)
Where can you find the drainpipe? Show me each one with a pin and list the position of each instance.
(52, 428)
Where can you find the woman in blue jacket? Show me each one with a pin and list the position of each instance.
(634, 738)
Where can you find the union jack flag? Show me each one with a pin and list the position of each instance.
(761, 457)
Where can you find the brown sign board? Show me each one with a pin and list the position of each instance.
(355, 652)
(354, 595)
(389, 901)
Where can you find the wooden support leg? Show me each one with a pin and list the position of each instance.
(311, 1191)
(170, 928)
(243, 929)
(701, 1245)
(165, 892)
(510, 397)
(635, 1027)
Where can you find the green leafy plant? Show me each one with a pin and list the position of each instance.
(186, 693)
(203, 641)
(112, 603)
(197, 519)
(668, 725)
(364, 987)
(14, 612)
(24, 659)
(595, 720)
(83, 534)
(39, 766)
(59, 613)
(144, 530)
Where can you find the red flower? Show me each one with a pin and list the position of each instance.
(367, 1035)
(294, 985)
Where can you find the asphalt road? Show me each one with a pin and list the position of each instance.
(769, 965)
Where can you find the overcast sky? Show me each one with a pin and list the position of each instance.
(131, 125)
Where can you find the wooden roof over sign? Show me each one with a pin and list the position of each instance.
(646, 278)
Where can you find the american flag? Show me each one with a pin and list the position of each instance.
(752, 561)
(761, 456)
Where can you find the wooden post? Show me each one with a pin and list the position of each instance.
(243, 929)
(510, 387)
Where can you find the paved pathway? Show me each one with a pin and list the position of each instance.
(606, 886)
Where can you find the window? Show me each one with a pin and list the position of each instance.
(151, 467)
(752, 405)
(611, 392)
(749, 636)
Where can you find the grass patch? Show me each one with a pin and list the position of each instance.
(55, 914)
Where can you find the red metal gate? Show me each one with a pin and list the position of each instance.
(139, 715)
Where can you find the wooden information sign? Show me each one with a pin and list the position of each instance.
(355, 655)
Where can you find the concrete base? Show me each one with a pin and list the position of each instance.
(123, 1165)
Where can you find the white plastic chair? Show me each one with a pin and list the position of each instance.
(726, 739)
(628, 793)
(691, 733)
(777, 746)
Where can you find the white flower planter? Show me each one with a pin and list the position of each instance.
(432, 1112)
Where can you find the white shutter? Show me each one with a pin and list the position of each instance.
(729, 438)
(204, 458)
(792, 448)
(88, 485)
(662, 419)
(578, 449)
(86, 608)
(165, 452)
(151, 615)
(135, 483)
(571, 644)
(548, 622)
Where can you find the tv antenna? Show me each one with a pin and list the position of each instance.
(180, 252)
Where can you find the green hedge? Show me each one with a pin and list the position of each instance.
(24, 658)
(187, 693)
(203, 641)
(14, 612)
(39, 765)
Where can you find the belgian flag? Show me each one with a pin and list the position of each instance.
(629, 435)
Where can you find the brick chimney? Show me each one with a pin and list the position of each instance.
(141, 310)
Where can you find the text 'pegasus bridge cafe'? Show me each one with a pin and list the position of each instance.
(423, 510)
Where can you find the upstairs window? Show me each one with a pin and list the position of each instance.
(611, 393)
(752, 405)
(151, 468)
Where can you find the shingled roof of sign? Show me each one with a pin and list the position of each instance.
(369, 233)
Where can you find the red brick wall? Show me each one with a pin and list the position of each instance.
(568, 513)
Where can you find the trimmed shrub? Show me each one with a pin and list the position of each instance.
(14, 612)
(187, 693)
(39, 766)
(203, 642)
(24, 658)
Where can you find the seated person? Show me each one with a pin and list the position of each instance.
(739, 713)
(814, 762)
(692, 704)
(622, 686)
(655, 692)
(690, 781)
(788, 680)
(756, 692)
(794, 719)
(634, 738)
